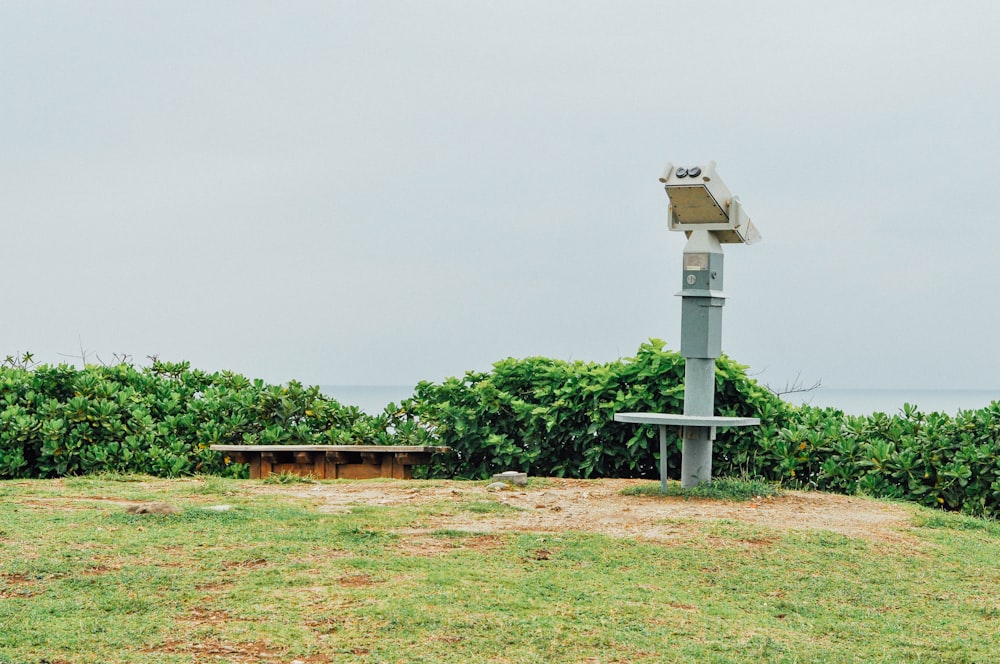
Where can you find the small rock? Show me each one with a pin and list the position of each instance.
(219, 508)
(153, 508)
(512, 477)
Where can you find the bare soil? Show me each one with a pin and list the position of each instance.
(599, 506)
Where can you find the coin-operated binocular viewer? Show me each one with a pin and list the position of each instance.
(701, 206)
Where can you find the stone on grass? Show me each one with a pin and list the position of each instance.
(512, 477)
(153, 508)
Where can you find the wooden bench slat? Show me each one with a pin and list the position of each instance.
(342, 448)
(332, 461)
(412, 458)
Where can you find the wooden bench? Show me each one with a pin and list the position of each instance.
(331, 462)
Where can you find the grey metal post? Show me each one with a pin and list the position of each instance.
(696, 451)
(701, 344)
(663, 458)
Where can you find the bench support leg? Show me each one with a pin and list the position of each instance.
(267, 460)
(663, 459)
(696, 456)
(319, 465)
(699, 399)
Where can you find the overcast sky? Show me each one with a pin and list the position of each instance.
(385, 192)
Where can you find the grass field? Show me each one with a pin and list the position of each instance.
(276, 578)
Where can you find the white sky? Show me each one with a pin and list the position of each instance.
(384, 192)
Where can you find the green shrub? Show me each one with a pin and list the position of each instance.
(933, 459)
(554, 418)
(161, 420)
(541, 416)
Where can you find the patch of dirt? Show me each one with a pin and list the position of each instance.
(420, 543)
(357, 581)
(250, 563)
(18, 586)
(216, 586)
(45, 503)
(214, 650)
(557, 505)
(599, 506)
(98, 568)
(205, 616)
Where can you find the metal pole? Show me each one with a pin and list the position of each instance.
(699, 399)
(663, 459)
(701, 343)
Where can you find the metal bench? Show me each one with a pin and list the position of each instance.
(355, 462)
(690, 426)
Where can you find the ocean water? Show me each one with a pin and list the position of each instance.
(372, 399)
(890, 401)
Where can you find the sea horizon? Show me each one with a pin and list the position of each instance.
(372, 399)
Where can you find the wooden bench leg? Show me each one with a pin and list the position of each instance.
(399, 471)
(334, 461)
(387, 464)
(266, 461)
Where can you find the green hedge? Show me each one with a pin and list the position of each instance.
(930, 458)
(554, 418)
(160, 420)
(542, 416)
